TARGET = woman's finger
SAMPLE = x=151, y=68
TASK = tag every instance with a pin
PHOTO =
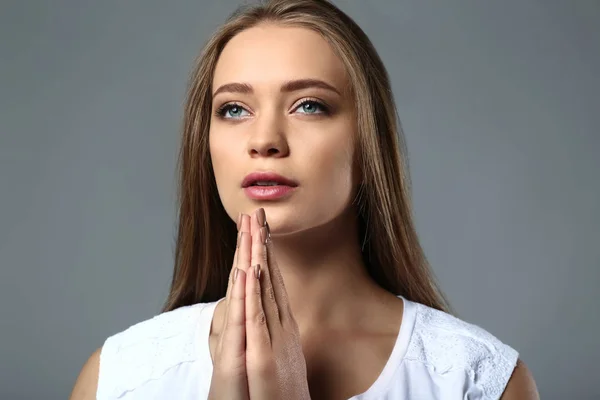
x=244, y=251
x=275, y=281
x=243, y=225
x=233, y=265
x=259, y=256
x=257, y=321
x=233, y=352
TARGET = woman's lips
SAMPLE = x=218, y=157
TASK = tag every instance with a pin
x=268, y=192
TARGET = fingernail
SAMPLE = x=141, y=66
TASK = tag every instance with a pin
x=261, y=217
x=268, y=229
x=235, y=274
x=239, y=221
x=264, y=235
x=257, y=271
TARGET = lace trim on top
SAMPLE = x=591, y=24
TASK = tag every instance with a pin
x=445, y=343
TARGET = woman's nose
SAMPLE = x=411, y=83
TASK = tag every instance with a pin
x=269, y=140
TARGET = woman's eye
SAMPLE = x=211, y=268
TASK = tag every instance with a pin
x=311, y=107
x=232, y=111
x=235, y=111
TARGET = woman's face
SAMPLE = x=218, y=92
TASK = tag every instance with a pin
x=281, y=105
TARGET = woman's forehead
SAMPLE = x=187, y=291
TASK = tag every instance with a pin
x=271, y=54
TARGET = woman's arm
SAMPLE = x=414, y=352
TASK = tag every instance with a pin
x=87, y=381
x=521, y=385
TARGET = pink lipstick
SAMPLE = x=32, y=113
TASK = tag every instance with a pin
x=268, y=186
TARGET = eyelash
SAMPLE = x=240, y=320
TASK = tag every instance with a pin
x=221, y=111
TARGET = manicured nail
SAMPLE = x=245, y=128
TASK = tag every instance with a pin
x=261, y=217
x=239, y=221
x=268, y=232
x=257, y=271
x=235, y=274
x=264, y=235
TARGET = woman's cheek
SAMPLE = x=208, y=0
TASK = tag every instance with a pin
x=336, y=177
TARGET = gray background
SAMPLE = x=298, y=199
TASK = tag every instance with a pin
x=500, y=104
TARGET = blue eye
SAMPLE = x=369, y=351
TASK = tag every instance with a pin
x=231, y=111
x=312, y=107
x=236, y=111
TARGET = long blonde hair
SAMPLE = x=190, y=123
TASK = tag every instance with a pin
x=206, y=235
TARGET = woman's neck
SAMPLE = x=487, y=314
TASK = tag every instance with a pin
x=327, y=282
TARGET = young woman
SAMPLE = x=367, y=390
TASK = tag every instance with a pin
x=298, y=273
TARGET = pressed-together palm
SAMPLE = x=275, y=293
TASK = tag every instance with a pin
x=259, y=355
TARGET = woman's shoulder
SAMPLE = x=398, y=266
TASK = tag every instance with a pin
x=147, y=349
x=448, y=345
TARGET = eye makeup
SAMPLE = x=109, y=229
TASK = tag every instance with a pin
x=235, y=110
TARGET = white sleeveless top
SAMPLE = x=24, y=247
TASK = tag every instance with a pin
x=436, y=356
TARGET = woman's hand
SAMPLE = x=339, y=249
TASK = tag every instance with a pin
x=275, y=364
x=229, y=379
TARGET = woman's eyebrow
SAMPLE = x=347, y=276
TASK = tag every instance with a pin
x=289, y=86
x=299, y=84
